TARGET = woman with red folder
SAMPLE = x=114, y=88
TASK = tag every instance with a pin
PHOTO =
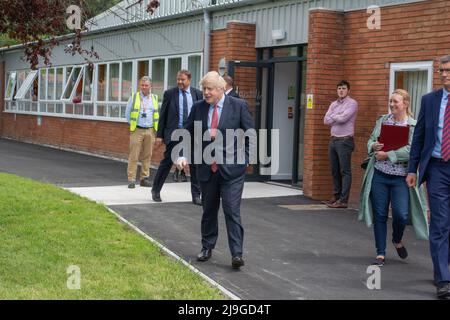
x=384, y=184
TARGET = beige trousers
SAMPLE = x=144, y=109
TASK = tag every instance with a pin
x=141, y=143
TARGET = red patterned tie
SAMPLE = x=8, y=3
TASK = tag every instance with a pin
x=445, y=147
x=214, y=123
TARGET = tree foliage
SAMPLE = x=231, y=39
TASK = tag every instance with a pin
x=37, y=24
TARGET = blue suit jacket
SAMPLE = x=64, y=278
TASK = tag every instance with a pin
x=235, y=115
x=425, y=134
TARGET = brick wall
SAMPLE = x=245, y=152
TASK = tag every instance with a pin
x=412, y=32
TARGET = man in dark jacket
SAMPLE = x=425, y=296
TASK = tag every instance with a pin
x=176, y=106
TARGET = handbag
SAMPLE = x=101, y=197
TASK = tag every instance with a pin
x=365, y=163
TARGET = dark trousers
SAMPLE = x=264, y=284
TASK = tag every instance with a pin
x=387, y=189
x=164, y=169
x=438, y=186
x=340, y=155
x=230, y=191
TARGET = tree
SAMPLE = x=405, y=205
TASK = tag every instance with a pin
x=37, y=23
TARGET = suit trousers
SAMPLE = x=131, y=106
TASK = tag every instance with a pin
x=141, y=143
x=438, y=186
x=230, y=191
x=340, y=155
x=164, y=170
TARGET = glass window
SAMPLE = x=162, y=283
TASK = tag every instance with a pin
x=142, y=70
x=127, y=76
x=101, y=83
x=59, y=82
x=174, y=67
x=88, y=109
x=194, y=66
x=87, y=83
x=158, y=67
x=42, y=84
x=414, y=77
x=114, y=111
x=113, y=82
x=51, y=84
x=102, y=110
x=26, y=85
x=72, y=82
x=11, y=85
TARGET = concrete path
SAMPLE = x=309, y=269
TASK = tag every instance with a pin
x=295, y=248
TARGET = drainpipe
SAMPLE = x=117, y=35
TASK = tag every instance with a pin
x=207, y=42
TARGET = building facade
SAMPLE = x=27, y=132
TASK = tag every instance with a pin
x=286, y=58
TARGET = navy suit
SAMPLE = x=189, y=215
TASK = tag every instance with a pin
x=437, y=175
x=228, y=182
x=168, y=123
x=233, y=93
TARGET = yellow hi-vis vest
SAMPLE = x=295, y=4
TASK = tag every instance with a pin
x=134, y=115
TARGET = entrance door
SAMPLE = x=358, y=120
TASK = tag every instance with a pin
x=284, y=102
x=253, y=82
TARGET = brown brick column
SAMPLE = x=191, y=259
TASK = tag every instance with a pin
x=325, y=68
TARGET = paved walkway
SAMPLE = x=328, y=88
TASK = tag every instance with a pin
x=294, y=248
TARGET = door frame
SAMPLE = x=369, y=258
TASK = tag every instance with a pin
x=270, y=64
x=269, y=123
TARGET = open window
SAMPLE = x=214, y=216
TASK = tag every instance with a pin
x=26, y=85
x=73, y=90
x=11, y=85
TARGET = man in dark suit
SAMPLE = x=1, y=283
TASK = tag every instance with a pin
x=220, y=179
x=176, y=106
x=229, y=88
x=430, y=152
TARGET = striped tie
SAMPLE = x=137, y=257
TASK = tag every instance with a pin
x=445, y=147
x=214, y=124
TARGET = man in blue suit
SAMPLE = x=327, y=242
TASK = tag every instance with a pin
x=430, y=152
x=220, y=179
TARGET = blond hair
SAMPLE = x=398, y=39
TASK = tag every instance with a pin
x=406, y=100
x=213, y=79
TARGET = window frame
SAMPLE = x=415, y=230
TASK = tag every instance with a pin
x=11, y=98
x=25, y=86
x=410, y=66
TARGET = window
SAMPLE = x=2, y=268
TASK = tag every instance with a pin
x=101, y=82
x=51, y=84
x=72, y=84
x=174, y=67
x=158, y=67
x=59, y=82
x=114, y=82
x=194, y=66
x=26, y=85
x=11, y=85
x=127, y=78
x=88, y=83
x=142, y=70
x=414, y=77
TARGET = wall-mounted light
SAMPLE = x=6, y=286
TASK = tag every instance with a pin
x=222, y=66
x=278, y=34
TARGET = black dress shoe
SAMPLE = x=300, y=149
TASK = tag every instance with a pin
x=443, y=291
x=197, y=201
x=131, y=185
x=237, y=262
x=183, y=176
x=204, y=255
x=156, y=197
x=175, y=175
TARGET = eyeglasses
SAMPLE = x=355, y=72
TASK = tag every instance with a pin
x=441, y=71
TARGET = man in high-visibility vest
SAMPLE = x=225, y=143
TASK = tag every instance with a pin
x=142, y=114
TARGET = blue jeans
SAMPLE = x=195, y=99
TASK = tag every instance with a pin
x=387, y=189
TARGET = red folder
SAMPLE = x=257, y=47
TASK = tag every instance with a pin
x=393, y=137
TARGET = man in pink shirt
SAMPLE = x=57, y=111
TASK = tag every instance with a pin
x=341, y=116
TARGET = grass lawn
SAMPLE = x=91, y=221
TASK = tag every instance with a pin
x=44, y=230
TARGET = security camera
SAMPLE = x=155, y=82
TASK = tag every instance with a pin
x=69, y=46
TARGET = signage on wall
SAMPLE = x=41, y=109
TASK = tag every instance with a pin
x=310, y=101
x=291, y=93
x=290, y=112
